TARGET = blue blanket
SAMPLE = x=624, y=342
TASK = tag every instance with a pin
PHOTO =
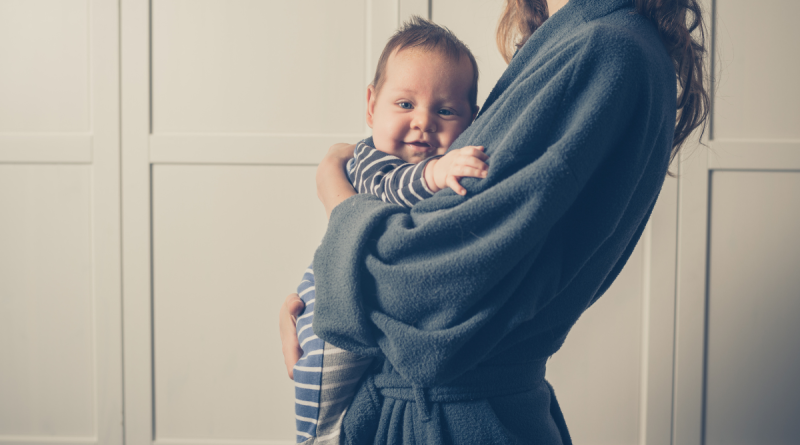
x=464, y=298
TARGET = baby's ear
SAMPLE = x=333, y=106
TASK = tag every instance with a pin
x=371, y=96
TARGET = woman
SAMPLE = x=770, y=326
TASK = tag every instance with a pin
x=464, y=298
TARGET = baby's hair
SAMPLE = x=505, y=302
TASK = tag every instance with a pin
x=427, y=36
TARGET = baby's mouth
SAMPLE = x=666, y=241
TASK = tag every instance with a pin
x=420, y=144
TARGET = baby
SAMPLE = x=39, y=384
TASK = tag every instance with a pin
x=423, y=96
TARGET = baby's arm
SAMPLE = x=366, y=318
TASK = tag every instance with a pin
x=398, y=182
x=388, y=177
x=463, y=162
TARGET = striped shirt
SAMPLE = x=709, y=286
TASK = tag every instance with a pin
x=388, y=177
x=322, y=393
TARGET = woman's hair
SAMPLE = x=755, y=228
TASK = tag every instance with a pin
x=520, y=18
x=427, y=36
x=682, y=31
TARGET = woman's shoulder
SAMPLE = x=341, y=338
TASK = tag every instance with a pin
x=624, y=36
x=619, y=48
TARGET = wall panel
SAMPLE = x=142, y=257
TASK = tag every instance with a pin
x=757, y=72
x=46, y=309
x=256, y=67
x=60, y=320
x=45, y=68
x=226, y=239
x=754, y=298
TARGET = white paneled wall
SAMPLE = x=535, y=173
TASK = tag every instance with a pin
x=221, y=263
x=752, y=362
x=157, y=204
x=757, y=70
x=257, y=67
x=60, y=260
x=45, y=79
x=46, y=312
x=736, y=353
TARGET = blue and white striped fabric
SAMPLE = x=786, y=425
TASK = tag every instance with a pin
x=308, y=370
x=320, y=407
x=388, y=177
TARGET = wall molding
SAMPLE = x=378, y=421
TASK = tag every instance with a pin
x=46, y=148
x=754, y=154
x=244, y=148
x=47, y=440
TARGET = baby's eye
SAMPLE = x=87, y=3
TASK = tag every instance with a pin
x=405, y=105
x=445, y=112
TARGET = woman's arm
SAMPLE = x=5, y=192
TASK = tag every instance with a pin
x=332, y=184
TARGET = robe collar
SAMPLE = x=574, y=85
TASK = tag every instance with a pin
x=556, y=27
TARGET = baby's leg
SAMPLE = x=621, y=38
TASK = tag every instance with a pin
x=341, y=372
x=325, y=377
x=307, y=370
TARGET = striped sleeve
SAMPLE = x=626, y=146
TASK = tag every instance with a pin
x=388, y=177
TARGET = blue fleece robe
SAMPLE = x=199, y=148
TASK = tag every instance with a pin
x=463, y=299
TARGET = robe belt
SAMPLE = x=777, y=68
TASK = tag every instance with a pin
x=483, y=382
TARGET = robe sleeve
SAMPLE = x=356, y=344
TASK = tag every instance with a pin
x=435, y=288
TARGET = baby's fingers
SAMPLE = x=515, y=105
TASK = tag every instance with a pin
x=452, y=182
x=474, y=152
x=471, y=165
x=469, y=171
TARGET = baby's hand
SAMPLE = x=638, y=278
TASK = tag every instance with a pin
x=456, y=164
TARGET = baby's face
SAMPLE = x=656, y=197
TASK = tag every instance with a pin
x=422, y=105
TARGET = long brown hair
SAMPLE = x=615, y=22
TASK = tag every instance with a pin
x=680, y=25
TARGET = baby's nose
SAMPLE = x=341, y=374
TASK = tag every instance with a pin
x=424, y=122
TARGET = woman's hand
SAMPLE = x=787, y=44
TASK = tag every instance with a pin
x=287, y=321
x=341, y=152
x=332, y=184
